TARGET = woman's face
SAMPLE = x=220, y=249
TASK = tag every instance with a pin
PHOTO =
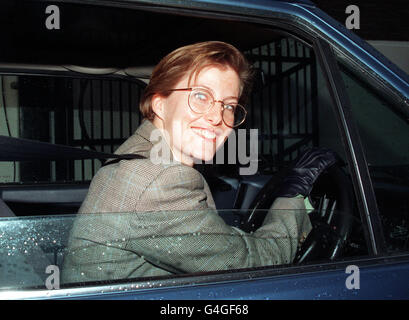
x=192, y=135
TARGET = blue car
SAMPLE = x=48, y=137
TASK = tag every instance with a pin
x=72, y=74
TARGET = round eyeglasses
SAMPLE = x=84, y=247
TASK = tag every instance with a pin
x=201, y=100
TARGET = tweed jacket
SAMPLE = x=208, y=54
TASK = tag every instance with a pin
x=151, y=217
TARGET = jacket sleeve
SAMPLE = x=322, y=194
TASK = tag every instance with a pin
x=182, y=231
x=142, y=228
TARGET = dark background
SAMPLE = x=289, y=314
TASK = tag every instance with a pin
x=379, y=19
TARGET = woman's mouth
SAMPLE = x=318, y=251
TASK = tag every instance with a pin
x=205, y=133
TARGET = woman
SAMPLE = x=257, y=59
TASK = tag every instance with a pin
x=163, y=219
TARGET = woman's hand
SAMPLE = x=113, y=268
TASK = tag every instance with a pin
x=305, y=171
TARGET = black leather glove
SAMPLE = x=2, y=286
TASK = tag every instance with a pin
x=305, y=171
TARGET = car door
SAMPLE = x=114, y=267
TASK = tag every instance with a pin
x=306, y=96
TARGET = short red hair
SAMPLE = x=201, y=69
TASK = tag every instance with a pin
x=191, y=59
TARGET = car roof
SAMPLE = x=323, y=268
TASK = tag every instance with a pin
x=126, y=37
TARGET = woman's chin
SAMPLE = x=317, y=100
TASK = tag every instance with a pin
x=203, y=156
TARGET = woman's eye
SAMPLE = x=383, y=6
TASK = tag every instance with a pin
x=229, y=107
x=201, y=96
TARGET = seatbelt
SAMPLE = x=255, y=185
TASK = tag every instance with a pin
x=19, y=149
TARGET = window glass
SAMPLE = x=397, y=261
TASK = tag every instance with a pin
x=384, y=131
x=39, y=253
x=30, y=245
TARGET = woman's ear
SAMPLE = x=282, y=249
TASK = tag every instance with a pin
x=158, y=104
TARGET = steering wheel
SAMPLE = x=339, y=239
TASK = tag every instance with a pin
x=332, y=218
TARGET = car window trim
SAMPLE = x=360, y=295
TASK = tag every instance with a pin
x=390, y=93
x=362, y=183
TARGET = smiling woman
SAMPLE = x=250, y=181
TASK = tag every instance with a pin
x=163, y=217
x=195, y=126
x=195, y=135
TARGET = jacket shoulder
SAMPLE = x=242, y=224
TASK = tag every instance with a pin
x=118, y=187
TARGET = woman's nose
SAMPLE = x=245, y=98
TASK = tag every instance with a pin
x=214, y=115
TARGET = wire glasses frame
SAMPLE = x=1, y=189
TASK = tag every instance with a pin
x=201, y=100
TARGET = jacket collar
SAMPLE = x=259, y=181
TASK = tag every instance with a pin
x=159, y=148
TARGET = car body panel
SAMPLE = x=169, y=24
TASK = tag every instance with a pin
x=382, y=282
x=378, y=278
